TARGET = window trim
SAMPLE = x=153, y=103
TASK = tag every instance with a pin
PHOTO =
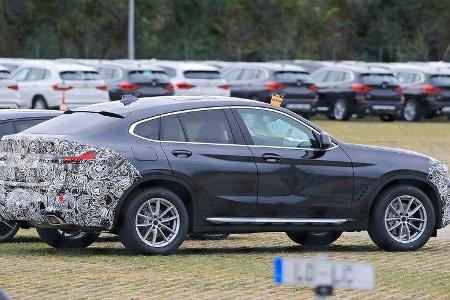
x=133, y=126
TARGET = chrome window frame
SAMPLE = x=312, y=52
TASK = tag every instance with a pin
x=133, y=126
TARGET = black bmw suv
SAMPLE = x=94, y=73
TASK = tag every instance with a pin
x=155, y=171
x=345, y=90
x=258, y=81
x=426, y=90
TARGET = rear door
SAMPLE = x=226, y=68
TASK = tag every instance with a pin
x=83, y=87
x=207, y=150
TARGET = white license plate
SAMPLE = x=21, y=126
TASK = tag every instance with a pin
x=445, y=109
x=318, y=272
x=299, y=106
x=383, y=107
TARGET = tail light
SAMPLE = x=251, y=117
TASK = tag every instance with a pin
x=61, y=87
x=102, y=87
x=429, y=89
x=361, y=88
x=80, y=158
x=129, y=86
x=275, y=86
x=13, y=87
x=224, y=86
x=313, y=88
x=169, y=87
x=184, y=85
x=398, y=90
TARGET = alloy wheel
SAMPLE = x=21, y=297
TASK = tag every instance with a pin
x=410, y=111
x=157, y=222
x=339, y=110
x=405, y=219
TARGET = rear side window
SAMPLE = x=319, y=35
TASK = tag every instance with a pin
x=108, y=73
x=378, y=79
x=202, y=74
x=207, y=126
x=172, y=129
x=22, y=125
x=147, y=75
x=291, y=76
x=408, y=77
x=79, y=75
x=148, y=129
x=441, y=80
x=4, y=74
x=6, y=128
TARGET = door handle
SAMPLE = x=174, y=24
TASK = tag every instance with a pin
x=270, y=157
x=182, y=153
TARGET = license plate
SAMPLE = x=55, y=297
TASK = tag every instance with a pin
x=299, y=106
x=383, y=107
x=323, y=272
x=445, y=109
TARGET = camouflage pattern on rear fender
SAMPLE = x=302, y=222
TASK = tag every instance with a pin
x=36, y=181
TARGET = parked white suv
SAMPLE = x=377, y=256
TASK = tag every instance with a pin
x=194, y=79
x=57, y=85
x=9, y=90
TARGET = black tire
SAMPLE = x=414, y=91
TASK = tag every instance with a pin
x=39, y=103
x=341, y=110
x=378, y=230
x=65, y=239
x=413, y=111
x=448, y=118
x=209, y=236
x=131, y=236
x=310, y=239
x=8, y=230
x=387, y=118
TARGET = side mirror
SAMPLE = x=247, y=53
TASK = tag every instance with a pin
x=325, y=140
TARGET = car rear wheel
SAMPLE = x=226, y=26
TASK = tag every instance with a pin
x=314, y=239
x=155, y=222
x=402, y=219
x=341, y=110
x=412, y=110
x=39, y=103
x=8, y=230
x=387, y=118
x=209, y=236
x=67, y=239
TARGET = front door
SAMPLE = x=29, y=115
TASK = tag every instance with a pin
x=295, y=178
x=204, y=149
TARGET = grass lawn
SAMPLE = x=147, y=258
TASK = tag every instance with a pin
x=241, y=266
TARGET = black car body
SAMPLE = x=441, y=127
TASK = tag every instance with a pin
x=426, y=90
x=345, y=90
x=135, y=79
x=154, y=171
x=13, y=121
x=258, y=81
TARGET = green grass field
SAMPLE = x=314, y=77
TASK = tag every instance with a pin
x=241, y=266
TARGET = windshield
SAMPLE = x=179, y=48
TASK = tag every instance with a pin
x=291, y=76
x=79, y=75
x=378, y=79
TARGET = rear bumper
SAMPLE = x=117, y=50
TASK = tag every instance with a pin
x=440, y=108
x=4, y=104
x=300, y=105
x=379, y=108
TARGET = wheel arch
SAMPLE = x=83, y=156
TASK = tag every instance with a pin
x=427, y=187
x=37, y=96
x=177, y=185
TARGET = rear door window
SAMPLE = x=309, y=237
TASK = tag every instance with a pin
x=172, y=130
x=22, y=125
x=378, y=79
x=291, y=76
x=334, y=76
x=147, y=75
x=109, y=73
x=440, y=80
x=202, y=74
x=36, y=74
x=148, y=129
x=6, y=128
x=4, y=74
x=233, y=74
x=408, y=77
x=319, y=76
x=79, y=75
x=207, y=126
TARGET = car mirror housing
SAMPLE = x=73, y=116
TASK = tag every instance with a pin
x=325, y=140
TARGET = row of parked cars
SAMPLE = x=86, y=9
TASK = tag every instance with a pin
x=340, y=90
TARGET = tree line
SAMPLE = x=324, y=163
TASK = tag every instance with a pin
x=244, y=30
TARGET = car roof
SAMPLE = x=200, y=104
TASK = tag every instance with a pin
x=11, y=114
x=185, y=66
x=60, y=67
x=358, y=68
x=268, y=65
x=421, y=68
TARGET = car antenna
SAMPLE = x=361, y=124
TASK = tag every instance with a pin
x=128, y=99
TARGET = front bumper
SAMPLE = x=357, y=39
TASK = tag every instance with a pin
x=439, y=176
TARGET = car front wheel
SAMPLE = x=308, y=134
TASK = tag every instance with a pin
x=402, y=219
x=341, y=110
x=312, y=239
x=155, y=222
x=8, y=230
x=67, y=239
x=412, y=111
